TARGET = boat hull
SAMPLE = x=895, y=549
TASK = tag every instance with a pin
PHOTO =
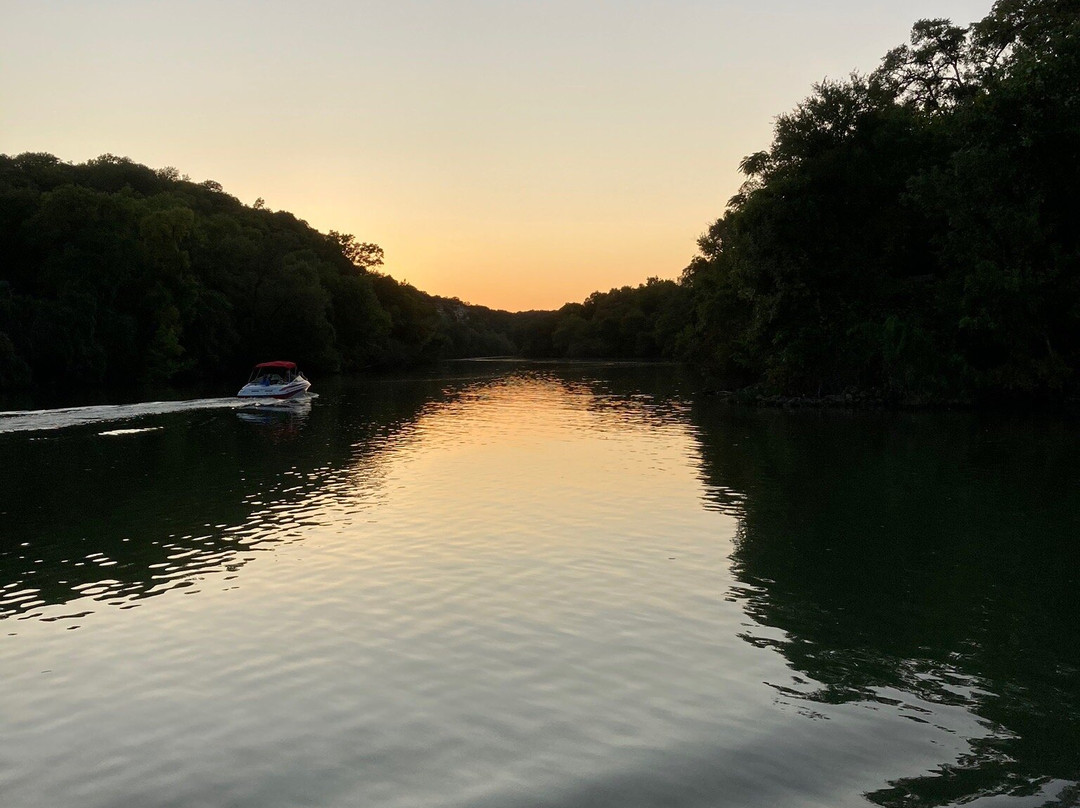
x=276, y=391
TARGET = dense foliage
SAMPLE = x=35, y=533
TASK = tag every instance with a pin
x=115, y=273
x=643, y=322
x=913, y=232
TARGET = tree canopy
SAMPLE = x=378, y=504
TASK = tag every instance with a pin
x=116, y=273
x=912, y=232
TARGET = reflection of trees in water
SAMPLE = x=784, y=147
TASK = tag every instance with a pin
x=125, y=517
x=933, y=554
x=654, y=393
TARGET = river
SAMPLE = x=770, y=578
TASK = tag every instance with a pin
x=529, y=584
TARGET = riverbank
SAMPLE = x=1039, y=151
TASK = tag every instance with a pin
x=863, y=400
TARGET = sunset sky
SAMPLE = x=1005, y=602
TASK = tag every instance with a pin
x=517, y=154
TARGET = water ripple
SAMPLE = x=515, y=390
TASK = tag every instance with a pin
x=535, y=586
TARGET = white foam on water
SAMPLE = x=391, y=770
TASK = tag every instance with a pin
x=42, y=420
x=113, y=432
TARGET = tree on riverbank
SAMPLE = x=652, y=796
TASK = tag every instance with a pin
x=116, y=273
x=912, y=232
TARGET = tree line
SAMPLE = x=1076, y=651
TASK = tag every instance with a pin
x=114, y=273
x=912, y=234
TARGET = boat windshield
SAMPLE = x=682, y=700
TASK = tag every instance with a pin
x=272, y=375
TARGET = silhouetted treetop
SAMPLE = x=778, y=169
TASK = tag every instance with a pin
x=911, y=232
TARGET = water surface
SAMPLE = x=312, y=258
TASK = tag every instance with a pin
x=536, y=585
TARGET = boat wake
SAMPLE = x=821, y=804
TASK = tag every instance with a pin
x=46, y=420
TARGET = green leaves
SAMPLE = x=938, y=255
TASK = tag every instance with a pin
x=116, y=273
x=912, y=232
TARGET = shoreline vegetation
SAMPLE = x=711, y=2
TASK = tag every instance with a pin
x=909, y=238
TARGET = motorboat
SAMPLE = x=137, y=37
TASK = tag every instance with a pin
x=278, y=380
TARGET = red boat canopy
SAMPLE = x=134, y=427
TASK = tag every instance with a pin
x=286, y=365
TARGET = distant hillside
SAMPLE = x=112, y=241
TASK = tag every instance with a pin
x=115, y=273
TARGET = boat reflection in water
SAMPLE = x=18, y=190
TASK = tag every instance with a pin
x=293, y=411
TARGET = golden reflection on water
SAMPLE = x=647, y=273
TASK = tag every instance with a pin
x=529, y=449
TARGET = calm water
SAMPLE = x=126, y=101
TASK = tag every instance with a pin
x=533, y=585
